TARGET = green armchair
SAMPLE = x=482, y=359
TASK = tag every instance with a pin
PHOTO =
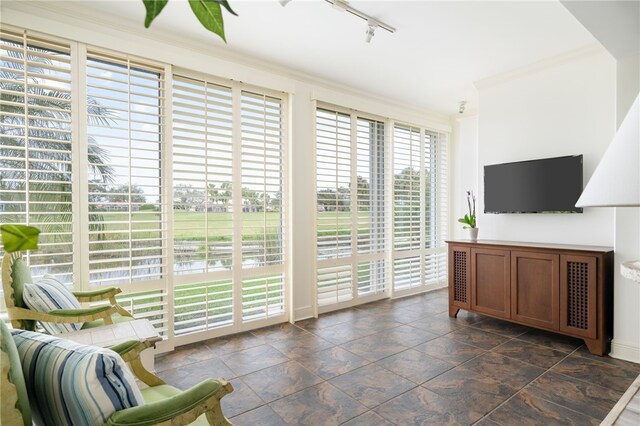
x=163, y=404
x=15, y=273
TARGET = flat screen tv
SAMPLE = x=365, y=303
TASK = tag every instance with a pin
x=550, y=185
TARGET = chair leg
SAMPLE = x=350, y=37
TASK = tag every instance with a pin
x=215, y=416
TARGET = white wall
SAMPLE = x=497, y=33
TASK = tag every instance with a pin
x=562, y=106
x=303, y=90
x=626, y=295
x=465, y=169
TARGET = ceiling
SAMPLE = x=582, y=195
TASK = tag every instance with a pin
x=439, y=50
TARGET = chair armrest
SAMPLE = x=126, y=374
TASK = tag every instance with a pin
x=130, y=349
x=200, y=399
x=64, y=315
x=97, y=295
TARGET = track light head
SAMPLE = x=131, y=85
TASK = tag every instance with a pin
x=371, y=30
x=283, y=3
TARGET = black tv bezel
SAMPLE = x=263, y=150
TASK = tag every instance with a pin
x=575, y=210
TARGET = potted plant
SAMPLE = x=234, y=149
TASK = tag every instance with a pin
x=469, y=220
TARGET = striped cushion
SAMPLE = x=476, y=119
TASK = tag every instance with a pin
x=50, y=294
x=73, y=384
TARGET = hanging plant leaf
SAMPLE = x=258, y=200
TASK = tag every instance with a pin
x=154, y=7
x=209, y=14
x=19, y=237
x=226, y=5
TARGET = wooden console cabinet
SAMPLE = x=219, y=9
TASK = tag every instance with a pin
x=565, y=289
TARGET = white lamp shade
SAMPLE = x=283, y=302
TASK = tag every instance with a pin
x=616, y=180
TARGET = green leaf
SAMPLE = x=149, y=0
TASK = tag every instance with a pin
x=226, y=5
x=462, y=220
x=19, y=237
x=209, y=14
x=154, y=7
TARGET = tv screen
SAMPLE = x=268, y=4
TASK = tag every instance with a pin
x=536, y=186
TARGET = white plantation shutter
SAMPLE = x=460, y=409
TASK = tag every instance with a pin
x=350, y=206
x=262, y=221
x=35, y=146
x=262, y=180
x=127, y=227
x=202, y=176
x=420, y=207
x=333, y=181
x=213, y=166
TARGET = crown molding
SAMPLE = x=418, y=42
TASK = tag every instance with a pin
x=551, y=62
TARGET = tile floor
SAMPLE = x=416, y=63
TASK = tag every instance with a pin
x=405, y=363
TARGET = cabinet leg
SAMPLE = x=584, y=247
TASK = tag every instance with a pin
x=596, y=346
x=453, y=311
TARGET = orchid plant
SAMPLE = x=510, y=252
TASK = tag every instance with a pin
x=470, y=218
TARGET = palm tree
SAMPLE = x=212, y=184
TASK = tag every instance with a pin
x=41, y=138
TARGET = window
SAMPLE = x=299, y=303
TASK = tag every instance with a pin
x=173, y=192
x=350, y=223
x=36, y=160
x=125, y=218
x=228, y=179
x=419, y=207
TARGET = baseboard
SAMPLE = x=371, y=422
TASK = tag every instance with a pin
x=625, y=352
x=303, y=313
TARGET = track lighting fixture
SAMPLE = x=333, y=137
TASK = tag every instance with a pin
x=371, y=30
x=343, y=6
x=462, y=106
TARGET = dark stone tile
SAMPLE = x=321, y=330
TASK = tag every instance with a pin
x=464, y=317
x=280, y=380
x=374, y=324
x=525, y=409
x=407, y=336
x=280, y=332
x=233, y=343
x=541, y=356
x=503, y=328
x=332, y=362
x=420, y=406
x=589, y=399
x=470, y=389
x=486, y=421
x=584, y=352
x=404, y=302
x=183, y=355
x=450, y=350
x=437, y=325
x=301, y=346
x=506, y=370
x=341, y=333
x=551, y=340
x=600, y=373
x=242, y=399
x=372, y=385
x=477, y=338
x=192, y=374
x=404, y=316
x=369, y=418
x=322, y=404
x=415, y=365
x=428, y=308
x=263, y=416
x=327, y=320
x=374, y=347
x=253, y=359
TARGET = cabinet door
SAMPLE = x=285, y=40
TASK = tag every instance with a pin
x=490, y=277
x=535, y=289
x=459, y=277
x=578, y=293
